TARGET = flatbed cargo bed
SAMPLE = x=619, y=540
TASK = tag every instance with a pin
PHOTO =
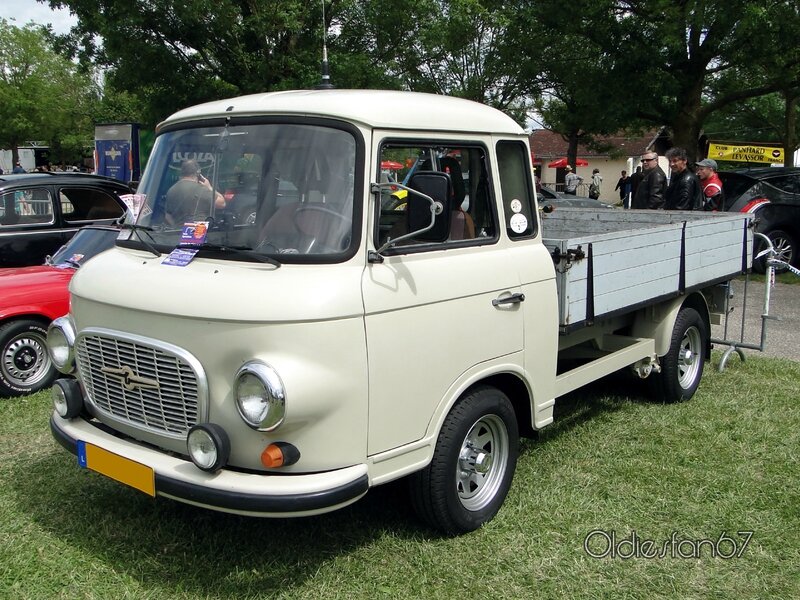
x=611, y=261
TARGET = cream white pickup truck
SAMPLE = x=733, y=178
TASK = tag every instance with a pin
x=324, y=291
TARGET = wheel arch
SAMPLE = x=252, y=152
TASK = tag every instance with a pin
x=510, y=382
x=658, y=321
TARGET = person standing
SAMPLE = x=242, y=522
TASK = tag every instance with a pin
x=18, y=168
x=594, y=187
x=622, y=186
x=713, y=196
x=635, y=179
x=684, y=191
x=571, y=182
x=650, y=193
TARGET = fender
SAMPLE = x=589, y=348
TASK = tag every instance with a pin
x=658, y=321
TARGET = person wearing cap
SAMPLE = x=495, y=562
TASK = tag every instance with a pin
x=650, y=193
x=713, y=196
x=190, y=198
x=571, y=182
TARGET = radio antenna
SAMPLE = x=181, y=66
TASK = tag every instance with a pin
x=326, y=77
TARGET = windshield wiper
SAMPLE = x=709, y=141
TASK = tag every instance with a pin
x=241, y=251
x=137, y=229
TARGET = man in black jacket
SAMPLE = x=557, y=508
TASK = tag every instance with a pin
x=650, y=193
x=684, y=191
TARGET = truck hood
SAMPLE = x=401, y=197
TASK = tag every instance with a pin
x=212, y=289
x=34, y=287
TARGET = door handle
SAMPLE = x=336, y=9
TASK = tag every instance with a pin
x=512, y=299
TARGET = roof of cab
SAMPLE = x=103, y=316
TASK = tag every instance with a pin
x=373, y=108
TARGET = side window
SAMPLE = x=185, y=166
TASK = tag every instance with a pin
x=31, y=206
x=787, y=183
x=514, y=165
x=88, y=204
x=470, y=220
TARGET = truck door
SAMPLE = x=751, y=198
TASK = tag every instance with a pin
x=435, y=309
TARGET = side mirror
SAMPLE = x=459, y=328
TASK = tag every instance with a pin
x=428, y=206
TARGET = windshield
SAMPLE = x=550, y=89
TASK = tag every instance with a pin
x=85, y=244
x=280, y=190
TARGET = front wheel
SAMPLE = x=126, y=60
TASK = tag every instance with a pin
x=473, y=464
x=25, y=366
x=682, y=366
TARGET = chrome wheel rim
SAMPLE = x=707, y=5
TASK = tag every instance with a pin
x=782, y=248
x=25, y=361
x=689, y=357
x=482, y=462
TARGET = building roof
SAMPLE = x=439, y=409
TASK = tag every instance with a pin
x=547, y=145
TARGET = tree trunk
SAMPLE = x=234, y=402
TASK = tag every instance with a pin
x=790, y=142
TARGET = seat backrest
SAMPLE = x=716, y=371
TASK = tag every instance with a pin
x=462, y=227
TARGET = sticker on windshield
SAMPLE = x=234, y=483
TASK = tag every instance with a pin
x=518, y=223
x=194, y=233
x=179, y=257
x=516, y=206
x=134, y=202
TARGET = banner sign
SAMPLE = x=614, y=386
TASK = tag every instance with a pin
x=116, y=148
x=746, y=153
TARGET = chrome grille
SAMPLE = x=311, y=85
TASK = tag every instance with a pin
x=139, y=383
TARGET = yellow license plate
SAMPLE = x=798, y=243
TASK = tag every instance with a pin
x=118, y=468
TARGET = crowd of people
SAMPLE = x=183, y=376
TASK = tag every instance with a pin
x=648, y=187
x=700, y=189
x=46, y=168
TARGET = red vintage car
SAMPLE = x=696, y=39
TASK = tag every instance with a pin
x=31, y=297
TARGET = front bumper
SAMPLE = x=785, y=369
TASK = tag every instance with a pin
x=263, y=495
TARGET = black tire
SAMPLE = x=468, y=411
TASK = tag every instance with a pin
x=785, y=246
x=473, y=464
x=682, y=366
x=25, y=366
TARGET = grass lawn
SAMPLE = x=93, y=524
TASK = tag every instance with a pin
x=670, y=479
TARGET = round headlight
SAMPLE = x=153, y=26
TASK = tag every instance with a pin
x=60, y=344
x=209, y=446
x=260, y=396
x=67, y=398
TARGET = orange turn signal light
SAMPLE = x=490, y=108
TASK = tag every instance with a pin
x=272, y=457
x=279, y=454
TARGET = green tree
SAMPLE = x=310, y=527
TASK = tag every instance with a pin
x=659, y=62
x=691, y=58
x=43, y=97
x=457, y=47
x=173, y=54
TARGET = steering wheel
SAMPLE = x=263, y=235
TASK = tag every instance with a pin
x=309, y=229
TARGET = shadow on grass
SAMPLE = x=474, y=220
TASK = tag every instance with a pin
x=596, y=401
x=179, y=548
x=172, y=546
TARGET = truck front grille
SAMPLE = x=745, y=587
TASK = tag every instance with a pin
x=150, y=385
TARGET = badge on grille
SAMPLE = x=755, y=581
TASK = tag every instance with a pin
x=129, y=379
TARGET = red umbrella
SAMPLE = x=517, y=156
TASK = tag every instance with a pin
x=390, y=165
x=562, y=162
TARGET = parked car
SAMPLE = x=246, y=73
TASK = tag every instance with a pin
x=39, y=212
x=772, y=194
x=31, y=297
x=557, y=199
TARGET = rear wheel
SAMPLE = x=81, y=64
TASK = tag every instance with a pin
x=473, y=464
x=25, y=366
x=682, y=365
